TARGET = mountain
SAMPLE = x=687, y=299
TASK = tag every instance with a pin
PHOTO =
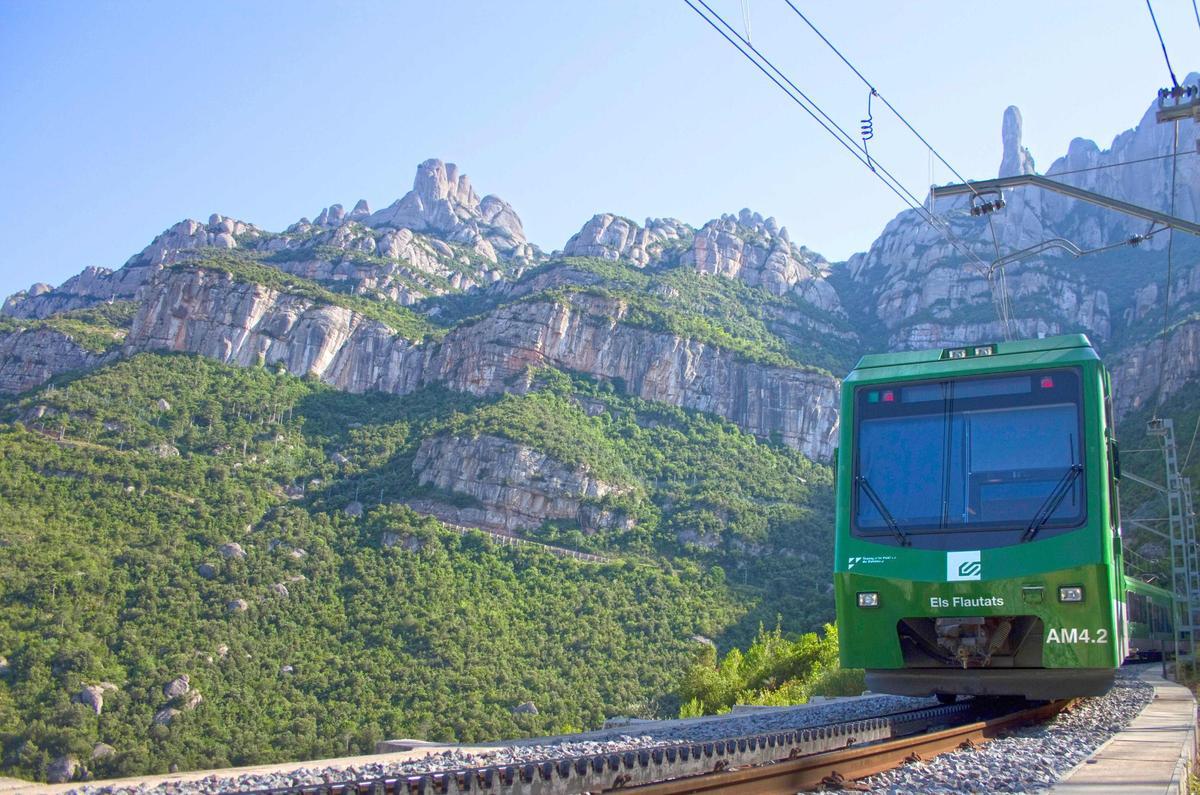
x=396, y=472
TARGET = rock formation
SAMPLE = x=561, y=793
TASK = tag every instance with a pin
x=515, y=487
x=30, y=357
x=443, y=201
x=612, y=237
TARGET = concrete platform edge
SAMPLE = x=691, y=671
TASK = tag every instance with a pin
x=1184, y=765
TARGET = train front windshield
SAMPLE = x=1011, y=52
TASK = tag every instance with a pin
x=997, y=453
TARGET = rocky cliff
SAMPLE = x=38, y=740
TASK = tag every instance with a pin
x=30, y=357
x=513, y=487
x=196, y=310
x=1152, y=371
x=209, y=312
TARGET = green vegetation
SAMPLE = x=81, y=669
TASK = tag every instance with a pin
x=774, y=671
x=246, y=268
x=112, y=501
x=99, y=329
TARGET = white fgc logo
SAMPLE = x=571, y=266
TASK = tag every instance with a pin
x=963, y=566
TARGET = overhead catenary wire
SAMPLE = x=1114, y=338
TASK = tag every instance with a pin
x=1162, y=44
x=749, y=52
x=1002, y=298
x=875, y=91
x=1175, y=155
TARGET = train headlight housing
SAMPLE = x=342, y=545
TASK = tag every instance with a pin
x=868, y=599
x=1070, y=593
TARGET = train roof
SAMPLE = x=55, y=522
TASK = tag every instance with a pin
x=1153, y=591
x=1060, y=349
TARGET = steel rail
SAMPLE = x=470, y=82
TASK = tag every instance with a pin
x=847, y=764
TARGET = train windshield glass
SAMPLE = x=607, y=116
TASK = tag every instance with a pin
x=999, y=452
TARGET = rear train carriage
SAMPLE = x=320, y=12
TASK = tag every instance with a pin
x=1149, y=614
x=978, y=548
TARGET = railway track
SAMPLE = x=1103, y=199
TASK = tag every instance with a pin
x=768, y=763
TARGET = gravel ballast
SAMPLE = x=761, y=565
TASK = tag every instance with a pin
x=1030, y=760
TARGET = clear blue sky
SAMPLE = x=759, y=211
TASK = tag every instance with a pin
x=119, y=119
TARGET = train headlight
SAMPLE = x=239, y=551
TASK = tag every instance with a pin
x=1070, y=593
x=868, y=599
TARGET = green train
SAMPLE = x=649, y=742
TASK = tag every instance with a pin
x=978, y=543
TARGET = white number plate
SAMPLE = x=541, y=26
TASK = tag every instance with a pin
x=1075, y=635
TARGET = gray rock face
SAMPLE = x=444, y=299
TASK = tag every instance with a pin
x=759, y=253
x=612, y=237
x=1140, y=377
x=31, y=357
x=518, y=488
x=207, y=312
x=177, y=686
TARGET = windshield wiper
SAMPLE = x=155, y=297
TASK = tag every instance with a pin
x=1052, y=501
x=883, y=511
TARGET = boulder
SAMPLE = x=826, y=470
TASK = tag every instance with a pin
x=191, y=700
x=222, y=650
x=280, y=590
x=287, y=670
x=232, y=550
x=237, y=606
x=177, y=686
x=62, y=770
x=102, y=751
x=354, y=509
x=4, y=666
x=163, y=404
x=206, y=570
x=525, y=708
x=297, y=553
x=92, y=697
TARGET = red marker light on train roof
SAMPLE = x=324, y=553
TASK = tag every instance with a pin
x=889, y=396
x=1047, y=382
